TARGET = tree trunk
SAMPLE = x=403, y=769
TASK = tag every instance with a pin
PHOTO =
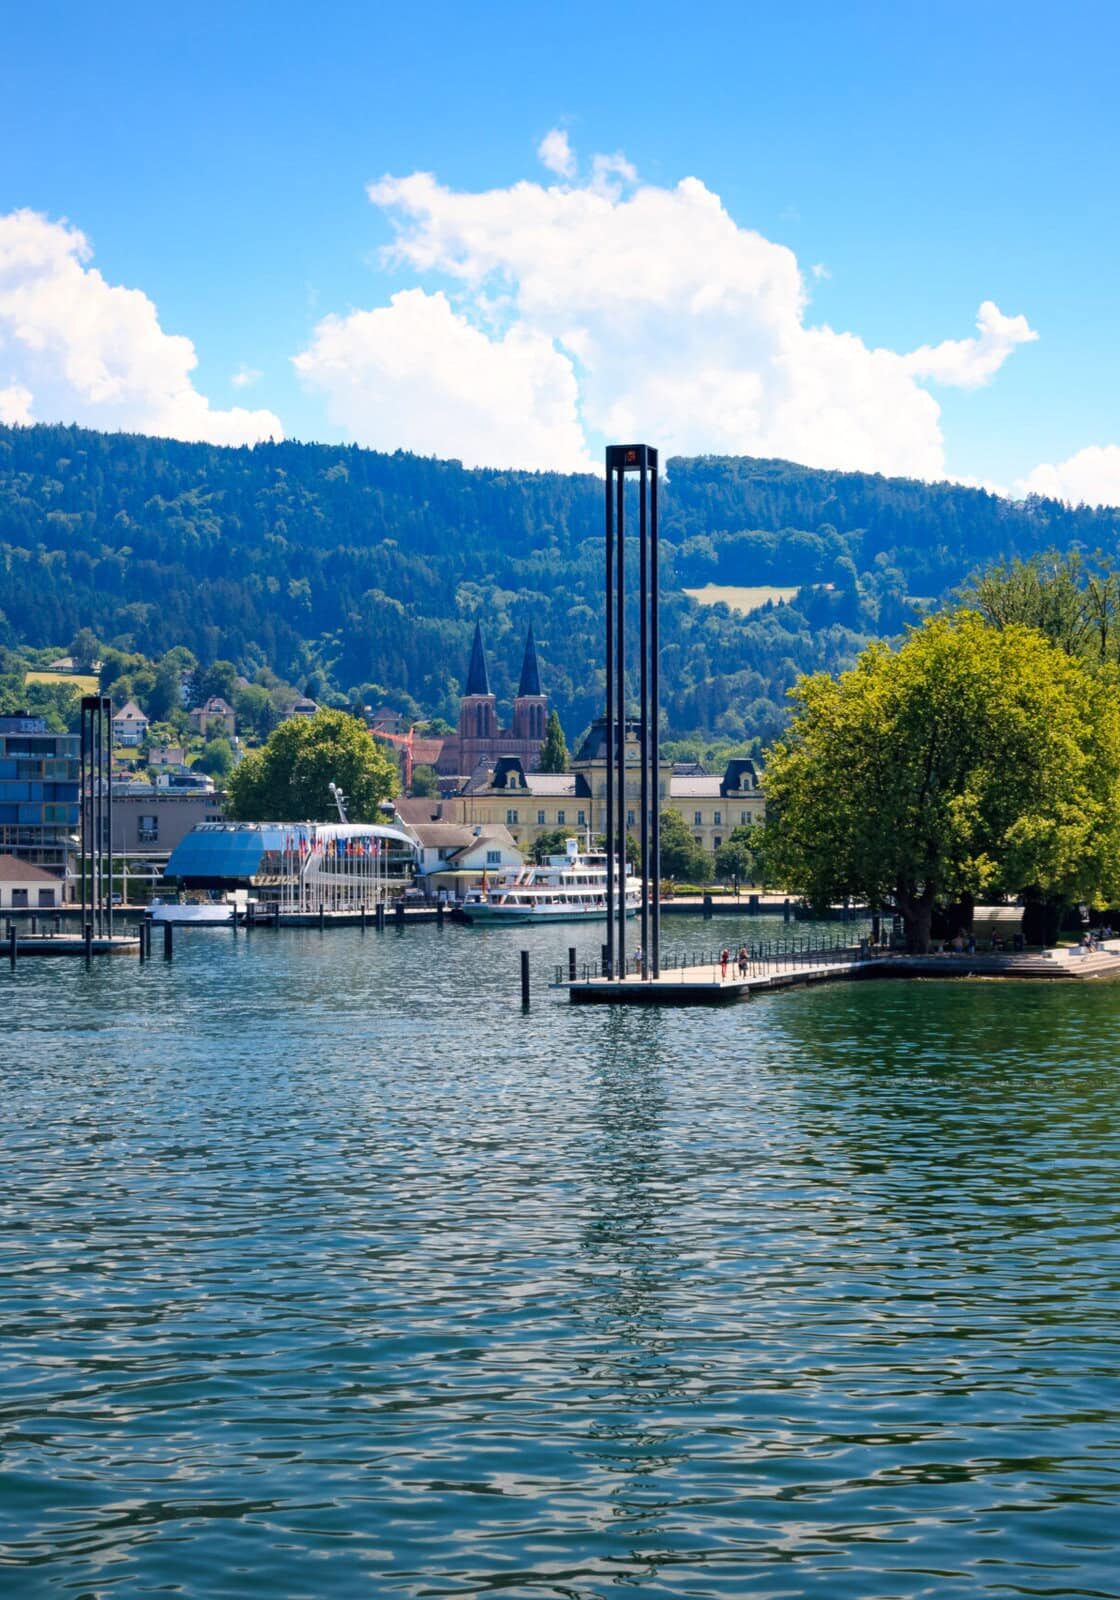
x=916, y=912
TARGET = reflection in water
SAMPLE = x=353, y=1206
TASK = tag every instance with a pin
x=323, y=1270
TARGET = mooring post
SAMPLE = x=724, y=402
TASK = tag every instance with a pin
x=34, y=925
x=571, y=963
x=785, y=911
x=12, y=945
x=524, y=979
x=605, y=959
x=439, y=913
x=707, y=908
x=88, y=935
x=168, y=929
x=398, y=912
x=146, y=935
x=381, y=916
x=363, y=916
x=141, y=953
x=58, y=922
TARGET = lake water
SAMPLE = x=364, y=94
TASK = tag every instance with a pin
x=325, y=1272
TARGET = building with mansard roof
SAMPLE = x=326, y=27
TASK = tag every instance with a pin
x=481, y=742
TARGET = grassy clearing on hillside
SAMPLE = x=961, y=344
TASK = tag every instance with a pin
x=744, y=599
x=82, y=682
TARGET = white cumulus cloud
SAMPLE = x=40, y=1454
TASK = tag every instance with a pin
x=245, y=377
x=572, y=313
x=415, y=375
x=1090, y=476
x=968, y=363
x=74, y=348
x=555, y=153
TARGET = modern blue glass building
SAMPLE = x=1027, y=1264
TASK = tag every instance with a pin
x=298, y=864
x=38, y=793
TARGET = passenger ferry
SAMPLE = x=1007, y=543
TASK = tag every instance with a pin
x=567, y=888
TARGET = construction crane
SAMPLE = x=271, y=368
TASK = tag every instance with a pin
x=405, y=740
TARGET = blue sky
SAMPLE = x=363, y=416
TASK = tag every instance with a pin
x=925, y=159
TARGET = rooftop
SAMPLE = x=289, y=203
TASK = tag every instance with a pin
x=12, y=870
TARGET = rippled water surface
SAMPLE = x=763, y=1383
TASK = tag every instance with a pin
x=325, y=1272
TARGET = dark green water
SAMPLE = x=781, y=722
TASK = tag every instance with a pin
x=324, y=1272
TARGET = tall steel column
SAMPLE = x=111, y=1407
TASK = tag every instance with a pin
x=96, y=812
x=640, y=460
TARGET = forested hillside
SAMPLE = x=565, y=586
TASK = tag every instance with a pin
x=339, y=568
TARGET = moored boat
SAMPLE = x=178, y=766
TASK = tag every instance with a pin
x=195, y=913
x=567, y=888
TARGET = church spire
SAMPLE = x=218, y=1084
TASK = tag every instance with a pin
x=530, y=673
x=478, y=680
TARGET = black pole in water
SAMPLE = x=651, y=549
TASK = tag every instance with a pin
x=524, y=980
x=363, y=916
x=140, y=943
x=322, y=917
x=12, y=946
x=167, y=935
x=381, y=916
x=88, y=935
x=439, y=913
x=398, y=913
x=571, y=963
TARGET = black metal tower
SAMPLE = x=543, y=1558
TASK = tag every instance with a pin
x=641, y=460
x=96, y=799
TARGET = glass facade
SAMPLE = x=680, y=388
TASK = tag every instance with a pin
x=228, y=855
x=38, y=793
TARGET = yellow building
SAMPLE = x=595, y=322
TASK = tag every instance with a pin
x=532, y=803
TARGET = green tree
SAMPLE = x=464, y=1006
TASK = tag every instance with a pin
x=216, y=758
x=971, y=760
x=553, y=843
x=218, y=680
x=681, y=856
x=739, y=856
x=84, y=650
x=288, y=779
x=554, y=750
x=256, y=713
x=425, y=781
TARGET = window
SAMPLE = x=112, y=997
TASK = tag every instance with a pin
x=148, y=828
x=560, y=817
x=697, y=819
x=717, y=818
x=717, y=841
x=493, y=858
x=540, y=819
x=581, y=818
x=744, y=816
x=46, y=897
x=19, y=898
x=511, y=816
x=629, y=819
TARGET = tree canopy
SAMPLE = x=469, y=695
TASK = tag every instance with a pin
x=971, y=760
x=288, y=779
x=681, y=857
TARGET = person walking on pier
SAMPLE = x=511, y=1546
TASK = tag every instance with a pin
x=724, y=958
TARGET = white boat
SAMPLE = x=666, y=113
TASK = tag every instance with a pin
x=567, y=888
x=195, y=913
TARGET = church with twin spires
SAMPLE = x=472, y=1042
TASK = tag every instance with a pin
x=480, y=742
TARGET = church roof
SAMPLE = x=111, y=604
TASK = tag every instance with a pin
x=530, y=673
x=478, y=680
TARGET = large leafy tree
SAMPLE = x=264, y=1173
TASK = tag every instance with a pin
x=681, y=856
x=288, y=779
x=971, y=760
x=740, y=854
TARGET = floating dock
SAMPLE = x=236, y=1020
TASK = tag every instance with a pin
x=707, y=986
x=70, y=944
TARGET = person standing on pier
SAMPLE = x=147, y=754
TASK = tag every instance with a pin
x=724, y=958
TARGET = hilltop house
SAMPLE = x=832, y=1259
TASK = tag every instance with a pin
x=130, y=725
x=216, y=716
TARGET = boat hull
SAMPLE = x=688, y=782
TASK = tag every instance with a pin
x=194, y=916
x=507, y=916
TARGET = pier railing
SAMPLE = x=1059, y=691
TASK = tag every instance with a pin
x=763, y=958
